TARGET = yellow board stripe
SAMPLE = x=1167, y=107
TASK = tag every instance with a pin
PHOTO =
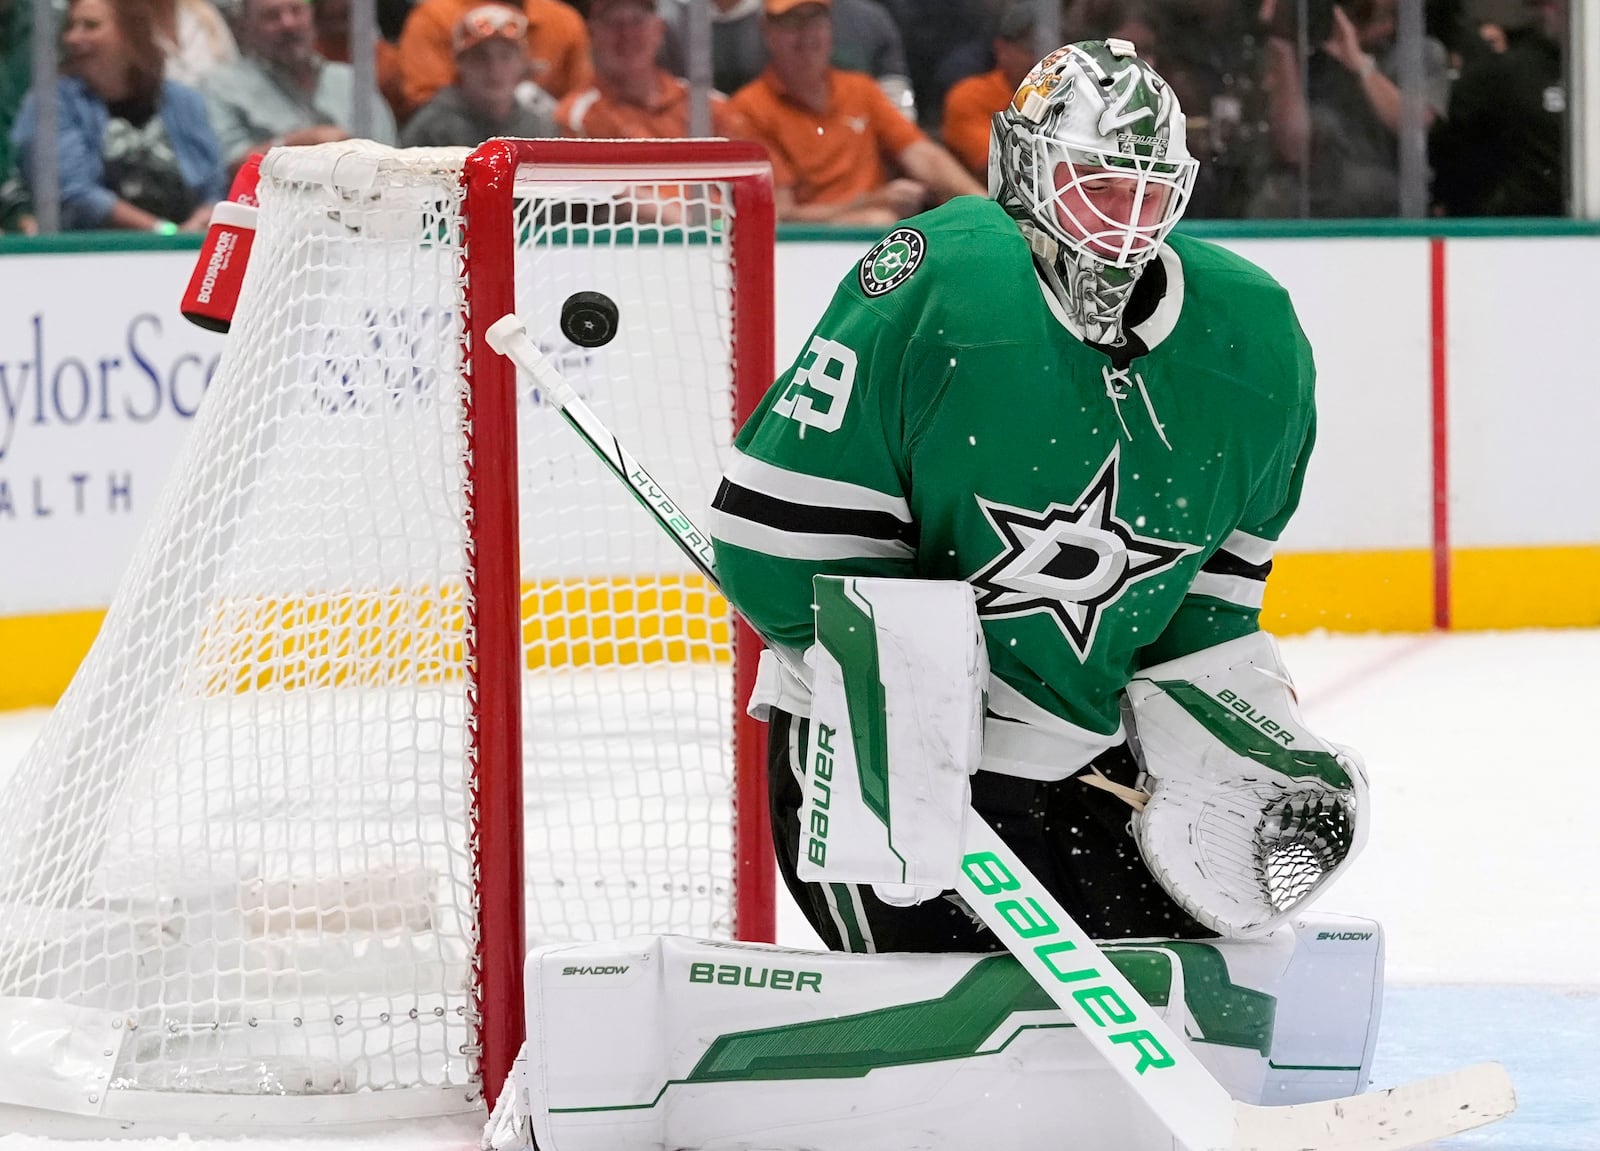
x=415, y=635
x=1493, y=588
x=411, y=636
x=1490, y=589
x=39, y=653
x=341, y=638
x=646, y=619
x=1349, y=591
x=398, y=636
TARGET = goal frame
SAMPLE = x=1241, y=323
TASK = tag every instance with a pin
x=493, y=643
x=62, y=1054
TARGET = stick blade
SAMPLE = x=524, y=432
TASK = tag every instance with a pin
x=1410, y=1115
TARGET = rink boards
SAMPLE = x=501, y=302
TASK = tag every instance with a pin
x=1449, y=457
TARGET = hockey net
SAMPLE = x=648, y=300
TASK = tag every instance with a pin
x=266, y=862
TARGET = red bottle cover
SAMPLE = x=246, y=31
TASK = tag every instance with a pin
x=213, y=289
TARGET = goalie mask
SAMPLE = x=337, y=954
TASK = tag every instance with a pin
x=1091, y=159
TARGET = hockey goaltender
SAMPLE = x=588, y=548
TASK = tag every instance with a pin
x=1037, y=776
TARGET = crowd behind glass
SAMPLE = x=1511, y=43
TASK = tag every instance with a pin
x=871, y=109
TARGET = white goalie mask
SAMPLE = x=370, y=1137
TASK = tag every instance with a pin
x=1091, y=158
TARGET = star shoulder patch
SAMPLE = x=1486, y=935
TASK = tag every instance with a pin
x=1069, y=562
x=891, y=261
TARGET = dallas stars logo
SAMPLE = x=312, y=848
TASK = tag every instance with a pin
x=1070, y=562
x=891, y=261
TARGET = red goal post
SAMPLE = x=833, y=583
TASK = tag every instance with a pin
x=490, y=178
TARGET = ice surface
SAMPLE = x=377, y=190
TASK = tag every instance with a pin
x=1482, y=866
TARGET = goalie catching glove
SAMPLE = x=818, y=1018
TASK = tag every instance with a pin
x=1250, y=816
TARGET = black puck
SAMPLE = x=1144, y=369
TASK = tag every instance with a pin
x=589, y=319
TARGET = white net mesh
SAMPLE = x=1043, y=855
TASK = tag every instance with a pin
x=241, y=842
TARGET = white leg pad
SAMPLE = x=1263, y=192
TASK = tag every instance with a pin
x=666, y=1043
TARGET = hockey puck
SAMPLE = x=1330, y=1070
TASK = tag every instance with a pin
x=589, y=319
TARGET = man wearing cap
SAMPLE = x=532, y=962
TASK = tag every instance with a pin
x=631, y=97
x=969, y=106
x=281, y=91
x=491, y=64
x=841, y=151
x=557, y=45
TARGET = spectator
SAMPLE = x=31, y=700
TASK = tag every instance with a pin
x=972, y=103
x=16, y=65
x=1339, y=125
x=834, y=135
x=945, y=41
x=331, y=18
x=632, y=97
x=1500, y=153
x=1211, y=53
x=558, y=47
x=491, y=63
x=134, y=150
x=281, y=92
x=195, y=38
x=865, y=39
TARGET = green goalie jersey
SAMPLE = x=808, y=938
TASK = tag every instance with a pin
x=943, y=422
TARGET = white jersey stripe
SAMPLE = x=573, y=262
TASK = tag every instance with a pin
x=802, y=545
x=867, y=941
x=811, y=491
x=1251, y=549
x=1234, y=589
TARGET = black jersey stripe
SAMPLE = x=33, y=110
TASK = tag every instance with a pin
x=801, y=519
x=1225, y=563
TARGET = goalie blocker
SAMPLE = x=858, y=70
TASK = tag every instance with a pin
x=665, y=1042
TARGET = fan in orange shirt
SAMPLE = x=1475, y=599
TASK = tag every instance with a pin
x=632, y=98
x=558, y=47
x=841, y=152
x=970, y=105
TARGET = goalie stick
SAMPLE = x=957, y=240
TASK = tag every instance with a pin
x=1123, y=1028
